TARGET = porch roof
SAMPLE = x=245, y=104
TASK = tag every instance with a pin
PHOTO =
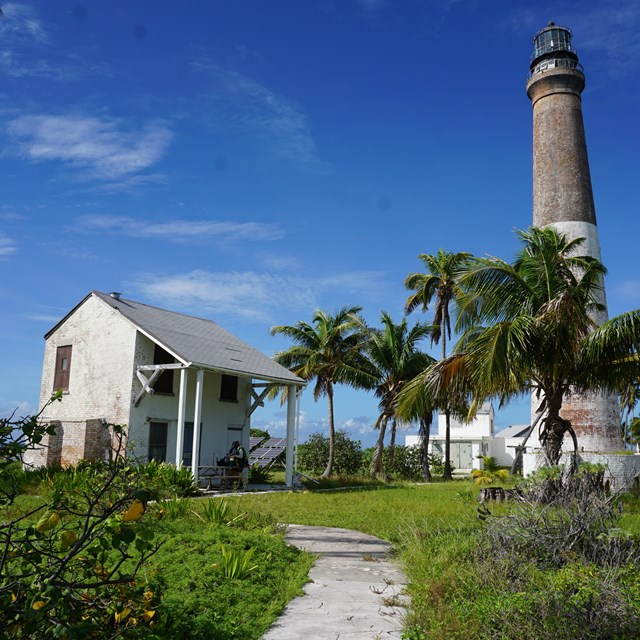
x=198, y=342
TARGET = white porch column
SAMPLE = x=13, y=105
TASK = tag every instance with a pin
x=291, y=433
x=181, y=414
x=197, y=418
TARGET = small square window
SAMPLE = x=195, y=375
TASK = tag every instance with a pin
x=229, y=388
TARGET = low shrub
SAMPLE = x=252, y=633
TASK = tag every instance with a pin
x=166, y=480
x=347, y=454
x=406, y=464
x=571, y=571
x=259, y=475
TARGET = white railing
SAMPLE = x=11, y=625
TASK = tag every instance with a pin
x=555, y=63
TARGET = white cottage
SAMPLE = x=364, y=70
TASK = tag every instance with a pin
x=468, y=440
x=185, y=386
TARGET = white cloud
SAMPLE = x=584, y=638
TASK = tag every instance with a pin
x=250, y=295
x=42, y=317
x=179, y=230
x=357, y=428
x=250, y=107
x=16, y=408
x=20, y=21
x=360, y=425
x=8, y=247
x=105, y=148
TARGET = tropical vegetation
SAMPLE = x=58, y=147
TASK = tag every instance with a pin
x=329, y=351
x=441, y=281
x=529, y=328
x=394, y=354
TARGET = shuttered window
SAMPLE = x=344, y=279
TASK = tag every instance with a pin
x=63, y=366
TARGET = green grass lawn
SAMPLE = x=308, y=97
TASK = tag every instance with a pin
x=434, y=529
x=385, y=512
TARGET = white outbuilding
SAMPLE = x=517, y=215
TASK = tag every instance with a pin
x=184, y=386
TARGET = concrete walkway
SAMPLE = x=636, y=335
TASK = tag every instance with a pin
x=355, y=591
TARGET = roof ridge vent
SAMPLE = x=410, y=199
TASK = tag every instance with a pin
x=115, y=295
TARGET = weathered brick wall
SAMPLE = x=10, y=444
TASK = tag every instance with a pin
x=97, y=440
x=563, y=198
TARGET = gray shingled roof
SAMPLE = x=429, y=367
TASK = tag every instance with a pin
x=200, y=342
x=513, y=431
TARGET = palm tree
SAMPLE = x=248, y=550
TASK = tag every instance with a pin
x=441, y=282
x=528, y=326
x=328, y=350
x=395, y=359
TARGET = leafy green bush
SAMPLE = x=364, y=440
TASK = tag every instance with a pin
x=70, y=563
x=166, y=480
x=313, y=454
x=259, y=475
x=572, y=572
x=407, y=462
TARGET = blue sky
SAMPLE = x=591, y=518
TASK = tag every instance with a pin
x=251, y=160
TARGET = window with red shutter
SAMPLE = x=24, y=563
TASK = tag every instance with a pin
x=63, y=366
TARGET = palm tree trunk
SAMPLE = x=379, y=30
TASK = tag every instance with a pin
x=377, y=463
x=425, y=428
x=332, y=434
x=447, y=417
x=447, y=475
x=392, y=444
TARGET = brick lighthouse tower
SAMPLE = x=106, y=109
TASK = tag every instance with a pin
x=563, y=197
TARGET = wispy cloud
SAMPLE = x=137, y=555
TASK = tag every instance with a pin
x=252, y=295
x=251, y=107
x=11, y=216
x=356, y=427
x=100, y=148
x=29, y=49
x=8, y=247
x=612, y=29
x=22, y=42
x=42, y=317
x=16, y=408
x=179, y=230
x=21, y=22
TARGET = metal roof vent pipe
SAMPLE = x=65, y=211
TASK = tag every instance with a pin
x=115, y=295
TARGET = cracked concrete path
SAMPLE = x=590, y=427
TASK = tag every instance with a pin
x=355, y=593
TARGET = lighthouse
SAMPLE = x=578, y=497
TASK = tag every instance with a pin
x=563, y=198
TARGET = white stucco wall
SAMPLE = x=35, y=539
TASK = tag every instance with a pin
x=480, y=426
x=99, y=383
x=101, y=365
x=106, y=349
x=217, y=415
